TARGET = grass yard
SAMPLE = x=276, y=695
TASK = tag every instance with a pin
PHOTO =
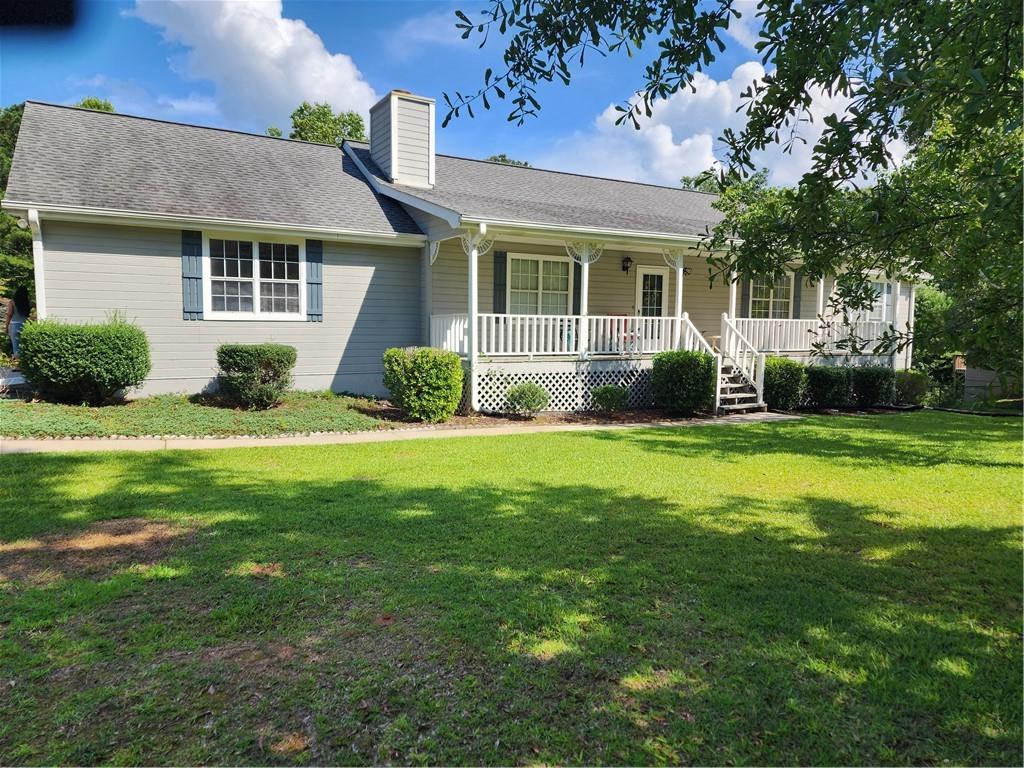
x=184, y=415
x=830, y=591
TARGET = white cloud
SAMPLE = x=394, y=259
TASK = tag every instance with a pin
x=426, y=32
x=131, y=98
x=261, y=64
x=681, y=136
x=744, y=30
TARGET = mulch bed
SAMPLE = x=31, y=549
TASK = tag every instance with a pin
x=385, y=410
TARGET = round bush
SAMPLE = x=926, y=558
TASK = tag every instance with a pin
x=526, y=399
x=684, y=381
x=255, y=376
x=84, y=363
x=784, y=381
x=610, y=398
x=425, y=382
x=911, y=387
x=872, y=385
x=828, y=386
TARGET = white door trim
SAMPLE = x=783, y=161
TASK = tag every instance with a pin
x=650, y=270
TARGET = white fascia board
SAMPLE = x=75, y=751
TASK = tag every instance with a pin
x=452, y=218
x=150, y=219
x=608, y=235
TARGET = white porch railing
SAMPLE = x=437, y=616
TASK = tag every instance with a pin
x=559, y=335
x=779, y=336
x=503, y=335
x=738, y=350
x=449, y=332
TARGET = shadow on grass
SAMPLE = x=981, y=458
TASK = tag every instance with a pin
x=547, y=623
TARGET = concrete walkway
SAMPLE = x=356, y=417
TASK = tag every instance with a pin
x=71, y=445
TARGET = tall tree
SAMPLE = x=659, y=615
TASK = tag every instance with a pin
x=320, y=123
x=506, y=160
x=15, y=242
x=95, y=102
x=705, y=181
x=943, y=78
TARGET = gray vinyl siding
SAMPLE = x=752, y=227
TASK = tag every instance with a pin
x=371, y=302
x=380, y=135
x=413, y=126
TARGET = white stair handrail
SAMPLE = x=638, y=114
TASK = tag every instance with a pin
x=744, y=355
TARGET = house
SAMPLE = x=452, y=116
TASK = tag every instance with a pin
x=204, y=236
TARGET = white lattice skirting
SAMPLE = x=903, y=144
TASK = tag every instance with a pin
x=568, y=382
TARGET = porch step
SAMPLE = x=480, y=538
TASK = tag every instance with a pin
x=737, y=396
x=743, y=408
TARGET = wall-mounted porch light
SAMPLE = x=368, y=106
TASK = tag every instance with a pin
x=626, y=264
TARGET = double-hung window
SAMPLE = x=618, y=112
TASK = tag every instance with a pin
x=772, y=299
x=255, y=279
x=882, y=308
x=539, y=285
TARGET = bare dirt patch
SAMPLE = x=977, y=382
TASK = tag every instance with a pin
x=95, y=552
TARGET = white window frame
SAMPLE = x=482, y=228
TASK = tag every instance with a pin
x=209, y=313
x=540, y=258
x=887, y=297
x=771, y=300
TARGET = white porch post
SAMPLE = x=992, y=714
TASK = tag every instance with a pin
x=675, y=259
x=821, y=296
x=37, y=262
x=909, y=349
x=426, y=287
x=474, y=245
x=895, y=315
x=733, y=288
x=584, y=253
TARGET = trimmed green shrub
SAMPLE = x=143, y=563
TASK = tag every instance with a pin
x=425, y=382
x=911, y=387
x=610, y=398
x=255, y=376
x=526, y=399
x=872, y=385
x=684, y=381
x=784, y=382
x=828, y=386
x=84, y=363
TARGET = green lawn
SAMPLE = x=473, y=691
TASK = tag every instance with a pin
x=834, y=590
x=183, y=415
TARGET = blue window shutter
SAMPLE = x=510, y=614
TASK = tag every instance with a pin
x=798, y=283
x=315, y=281
x=577, y=284
x=191, y=275
x=744, y=308
x=500, y=282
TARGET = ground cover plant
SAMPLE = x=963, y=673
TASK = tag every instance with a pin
x=184, y=415
x=829, y=590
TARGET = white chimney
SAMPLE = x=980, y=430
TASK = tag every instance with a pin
x=402, y=138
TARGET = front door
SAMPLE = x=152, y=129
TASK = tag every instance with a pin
x=651, y=285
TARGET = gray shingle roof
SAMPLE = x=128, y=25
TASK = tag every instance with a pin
x=76, y=157
x=496, y=192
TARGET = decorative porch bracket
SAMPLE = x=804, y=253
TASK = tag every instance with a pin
x=435, y=248
x=584, y=253
x=675, y=258
x=476, y=241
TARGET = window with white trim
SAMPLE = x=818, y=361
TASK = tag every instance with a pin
x=772, y=299
x=881, y=310
x=539, y=285
x=254, y=279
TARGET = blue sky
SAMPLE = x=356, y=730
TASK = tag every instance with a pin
x=245, y=64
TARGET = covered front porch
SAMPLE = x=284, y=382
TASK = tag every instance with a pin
x=502, y=299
